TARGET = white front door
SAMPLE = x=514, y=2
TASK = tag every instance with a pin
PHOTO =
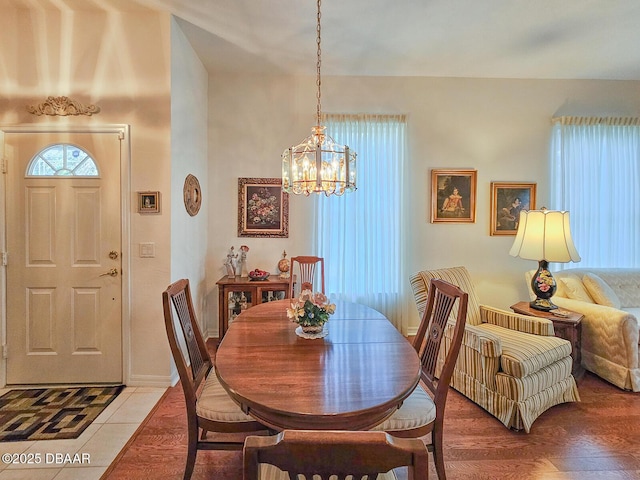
x=63, y=227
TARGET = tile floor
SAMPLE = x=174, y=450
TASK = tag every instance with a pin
x=96, y=447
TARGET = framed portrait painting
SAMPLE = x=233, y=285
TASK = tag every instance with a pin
x=453, y=196
x=148, y=202
x=508, y=199
x=263, y=208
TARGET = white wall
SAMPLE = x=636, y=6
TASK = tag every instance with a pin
x=189, y=110
x=120, y=62
x=498, y=127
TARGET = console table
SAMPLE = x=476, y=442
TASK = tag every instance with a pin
x=236, y=294
x=569, y=328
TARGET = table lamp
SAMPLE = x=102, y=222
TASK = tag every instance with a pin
x=544, y=235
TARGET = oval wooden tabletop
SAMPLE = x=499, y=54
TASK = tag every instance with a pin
x=352, y=379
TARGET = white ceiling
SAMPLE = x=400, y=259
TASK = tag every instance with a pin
x=566, y=39
x=552, y=39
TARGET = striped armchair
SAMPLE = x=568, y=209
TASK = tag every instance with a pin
x=511, y=365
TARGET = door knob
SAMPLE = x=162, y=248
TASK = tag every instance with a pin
x=113, y=254
x=112, y=273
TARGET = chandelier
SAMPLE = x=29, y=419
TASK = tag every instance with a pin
x=318, y=164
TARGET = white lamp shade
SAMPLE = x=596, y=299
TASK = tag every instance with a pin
x=544, y=235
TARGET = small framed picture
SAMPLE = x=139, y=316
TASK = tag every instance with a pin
x=148, y=202
x=263, y=208
x=507, y=200
x=453, y=196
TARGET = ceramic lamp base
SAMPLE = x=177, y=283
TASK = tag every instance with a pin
x=544, y=287
x=542, y=304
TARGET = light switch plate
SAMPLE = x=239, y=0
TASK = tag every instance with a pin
x=148, y=250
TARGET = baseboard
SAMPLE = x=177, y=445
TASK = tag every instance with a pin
x=152, y=380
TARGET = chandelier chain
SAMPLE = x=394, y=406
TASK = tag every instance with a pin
x=318, y=63
x=319, y=164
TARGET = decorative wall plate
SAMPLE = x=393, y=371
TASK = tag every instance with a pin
x=192, y=195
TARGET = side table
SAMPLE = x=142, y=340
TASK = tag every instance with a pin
x=569, y=328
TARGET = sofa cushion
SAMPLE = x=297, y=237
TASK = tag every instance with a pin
x=625, y=283
x=575, y=289
x=519, y=389
x=601, y=293
x=524, y=353
x=560, y=288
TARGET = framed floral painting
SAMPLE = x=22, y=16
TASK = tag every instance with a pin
x=263, y=208
x=453, y=196
x=508, y=199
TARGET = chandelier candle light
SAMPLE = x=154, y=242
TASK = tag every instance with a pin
x=318, y=164
x=545, y=236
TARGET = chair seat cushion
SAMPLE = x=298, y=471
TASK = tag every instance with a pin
x=215, y=404
x=524, y=353
x=270, y=472
x=416, y=411
x=520, y=389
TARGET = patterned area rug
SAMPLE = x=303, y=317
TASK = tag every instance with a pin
x=51, y=413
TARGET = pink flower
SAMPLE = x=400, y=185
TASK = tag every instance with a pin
x=319, y=299
x=305, y=295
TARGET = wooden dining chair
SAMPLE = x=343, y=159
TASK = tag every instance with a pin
x=326, y=453
x=209, y=407
x=421, y=414
x=307, y=267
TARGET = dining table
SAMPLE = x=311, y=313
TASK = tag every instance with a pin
x=351, y=379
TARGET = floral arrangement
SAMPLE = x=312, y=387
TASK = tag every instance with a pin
x=311, y=309
x=263, y=208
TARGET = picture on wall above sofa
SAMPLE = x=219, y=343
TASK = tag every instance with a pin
x=508, y=199
x=453, y=196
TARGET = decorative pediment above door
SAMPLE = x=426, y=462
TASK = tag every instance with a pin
x=62, y=106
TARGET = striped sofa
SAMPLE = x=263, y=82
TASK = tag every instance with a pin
x=511, y=365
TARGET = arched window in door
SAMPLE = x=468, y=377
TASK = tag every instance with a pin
x=62, y=159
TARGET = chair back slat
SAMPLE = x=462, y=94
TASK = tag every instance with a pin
x=177, y=298
x=307, y=268
x=187, y=324
x=428, y=341
x=357, y=455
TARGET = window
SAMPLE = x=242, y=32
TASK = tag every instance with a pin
x=359, y=234
x=595, y=175
x=62, y=159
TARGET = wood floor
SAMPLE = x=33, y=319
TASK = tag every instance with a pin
x=598, y=438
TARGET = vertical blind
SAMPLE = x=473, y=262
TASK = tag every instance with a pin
x=360, y=234
x=595, y=174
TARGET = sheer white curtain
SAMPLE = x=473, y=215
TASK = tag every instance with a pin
x=360, y=234
x=595, y=174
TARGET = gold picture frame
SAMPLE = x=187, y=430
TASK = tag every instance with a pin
x=148, y=202
x=453, y=196
x=263, y=208
x=507, y=200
